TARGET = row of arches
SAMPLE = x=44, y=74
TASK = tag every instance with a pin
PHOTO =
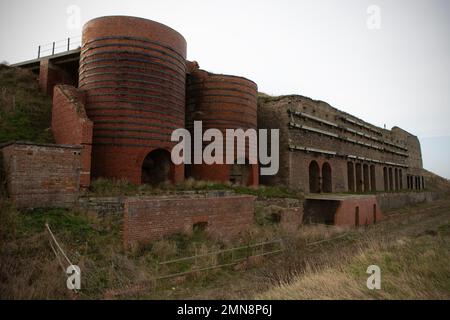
x=415, y=182
x=361, y=177
x=320, y=179
x=392, y=178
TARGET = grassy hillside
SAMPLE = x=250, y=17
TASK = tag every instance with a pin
x=411, y=246
x=25, y=113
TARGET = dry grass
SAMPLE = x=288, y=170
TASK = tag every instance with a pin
x=413, y=253
x=414, y=240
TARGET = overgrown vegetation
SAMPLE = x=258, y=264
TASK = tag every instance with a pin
x=411, y=247
x=25, y=113
x=107, y=187
x=29, y=268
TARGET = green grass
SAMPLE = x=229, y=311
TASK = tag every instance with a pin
x=102, y=187
x=25, y=112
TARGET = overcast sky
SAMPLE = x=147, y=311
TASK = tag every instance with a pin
x=386, y=62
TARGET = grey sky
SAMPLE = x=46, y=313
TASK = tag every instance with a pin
x=397, y=75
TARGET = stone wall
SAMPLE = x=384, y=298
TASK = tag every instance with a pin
x=153, y=218
x=43, y=175
x=389, y=201
x=313, y=131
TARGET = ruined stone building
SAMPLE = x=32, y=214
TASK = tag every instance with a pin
x=122, y=93
x=323, y=149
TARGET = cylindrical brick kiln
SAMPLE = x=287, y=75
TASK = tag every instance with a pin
x=133, y=71
x=222, y=102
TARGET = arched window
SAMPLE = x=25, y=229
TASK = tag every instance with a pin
x=314, y=177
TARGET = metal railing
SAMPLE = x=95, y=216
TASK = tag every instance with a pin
x=52, y=48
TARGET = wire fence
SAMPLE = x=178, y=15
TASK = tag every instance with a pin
x=55, y=47
x=183, y=266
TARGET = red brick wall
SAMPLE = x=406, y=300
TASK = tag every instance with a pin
x=220, y=102
x=42, y=175
x=70, y=125
x=342, y=210
x=291, y=218
x=367, y=208
x=133, y=71
x=148, y=219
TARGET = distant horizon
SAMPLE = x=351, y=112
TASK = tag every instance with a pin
x=384, y=62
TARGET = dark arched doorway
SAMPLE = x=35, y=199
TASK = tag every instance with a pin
x=314, y=177
x=326, y=178
x=156, y=167
x=385, y=178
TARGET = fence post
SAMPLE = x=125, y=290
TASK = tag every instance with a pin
x=39, y=52
x=53, y=48
x=68, y=44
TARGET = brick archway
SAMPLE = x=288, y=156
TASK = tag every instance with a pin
x=157, y=167
x=314, y=177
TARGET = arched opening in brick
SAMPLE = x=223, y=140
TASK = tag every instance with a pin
x=240, y=173
x=327, y=183
x=157, y=167
x=366, y=177
x=396, y=179
x=385, y=178
x=391, y=180
x=373, y=182
x=359, y=180
x=423, y=182
x=351, y=176
x=314, y=177
x=400, y=178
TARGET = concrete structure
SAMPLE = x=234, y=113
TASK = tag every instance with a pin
x=323, y=149
x=41, y=175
